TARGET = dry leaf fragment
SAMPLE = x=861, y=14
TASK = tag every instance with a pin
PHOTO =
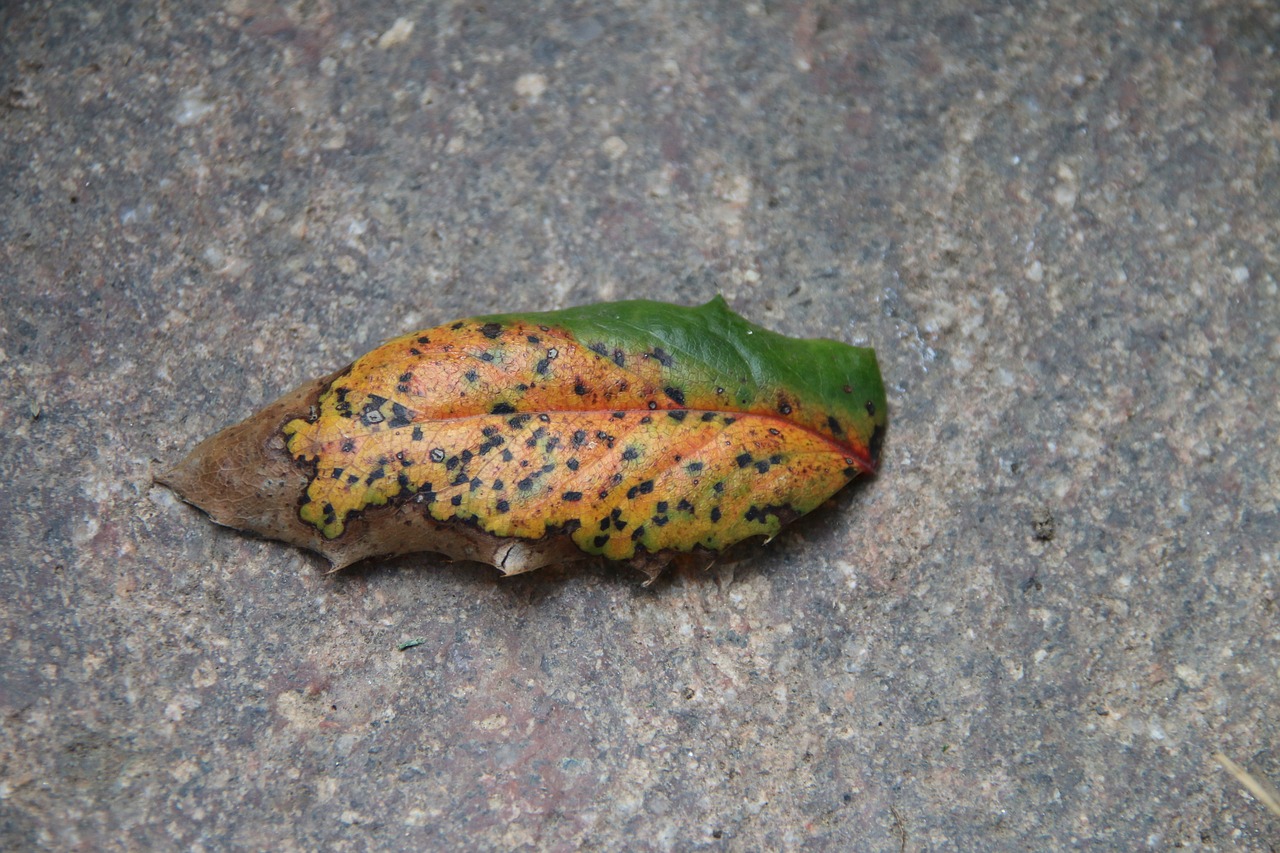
x=632, y=430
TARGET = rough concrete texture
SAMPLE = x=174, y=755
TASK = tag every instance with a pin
x=1058, y=224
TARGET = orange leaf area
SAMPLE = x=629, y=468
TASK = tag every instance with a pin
x=520, y=429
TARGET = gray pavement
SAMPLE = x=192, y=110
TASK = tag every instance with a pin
x=1059, y=224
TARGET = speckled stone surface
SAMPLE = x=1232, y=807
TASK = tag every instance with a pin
x=1057, y=223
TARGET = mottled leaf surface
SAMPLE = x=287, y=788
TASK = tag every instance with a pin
x=631, y=430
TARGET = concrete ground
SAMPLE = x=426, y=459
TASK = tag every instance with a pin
x=1058, y=223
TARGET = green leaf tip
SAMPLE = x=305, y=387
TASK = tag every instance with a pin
x=712, y=347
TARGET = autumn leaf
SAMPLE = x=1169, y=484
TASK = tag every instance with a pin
x=630, y=430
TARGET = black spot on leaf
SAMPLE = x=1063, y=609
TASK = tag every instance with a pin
x=400, y=416
x=662, y=356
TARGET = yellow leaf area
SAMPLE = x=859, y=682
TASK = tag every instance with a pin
x=521, y=430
